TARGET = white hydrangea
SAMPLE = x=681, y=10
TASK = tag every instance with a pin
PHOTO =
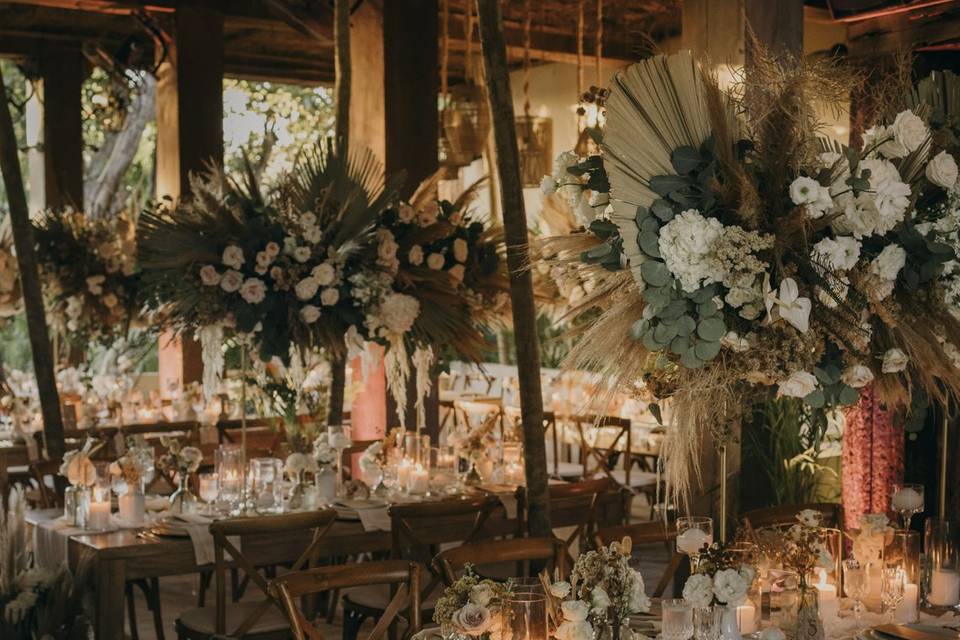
x=686, y=244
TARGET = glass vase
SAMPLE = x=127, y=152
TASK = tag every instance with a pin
x=182, y=501
x=472, y=477
x=808, y=625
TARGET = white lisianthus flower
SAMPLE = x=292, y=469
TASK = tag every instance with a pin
x=329, y=297
x=548, y=185
x=306, y=288
x=324, y=273
x=909, y=130
x=309, y=313
x=435, y=261
x=415, y=256
x=456, y=272
x=804, y=190
x=822, y=205
x=884, y=141
x=560, y=589
x=686, y=244
x=857, y=376
x=840, y=254
x=798, y=385
x=460, y=250
x=730, y=587
x=301, y=254
x=481, y=594
x=942, y=170
x=698, y=591
x=233, y=257
x=575, y=610
x=231, y=281
x=891, y=195
x=472, y=619
x=894, y=361
x=253, y=290
x=888, y=264
x=272, y=249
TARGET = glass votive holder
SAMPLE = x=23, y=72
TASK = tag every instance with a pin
x=418, y=480
x=706, y=623
x=784, y=598
x=525, y=616
x=677, y=622
x=942, y=579
x=267, y=486
x=98, y=512
x=75, y=504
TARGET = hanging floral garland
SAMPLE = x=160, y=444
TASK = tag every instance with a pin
x=740, y=250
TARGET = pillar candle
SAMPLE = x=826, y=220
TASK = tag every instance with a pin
x=419, y=482
x=827, y=597
x=746, y=618
x=907, y=609
x=98, y=517
x=944, y=588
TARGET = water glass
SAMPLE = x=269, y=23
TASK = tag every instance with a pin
x=267, y=486
x=677, y=620
x=855, y=584
x=209, y=489
x=706, y=623
x=907, y=500
x=525, y=616
x=891, y=593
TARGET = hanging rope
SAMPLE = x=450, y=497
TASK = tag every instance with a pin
x=599, y=78
x=580, y=30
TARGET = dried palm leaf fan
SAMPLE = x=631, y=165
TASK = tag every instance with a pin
x=534, y=134
x=466, y=119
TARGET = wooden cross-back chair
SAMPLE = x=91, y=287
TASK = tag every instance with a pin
x=787, y=514
x=264, y=435
x=575, y=504
x=600, y=459
x=264, y=619
x=46, y=496
x=522, y=551
x=513, y=420
x=470, y=414
x=645, y=533
x=415, y=531
x=399, y=576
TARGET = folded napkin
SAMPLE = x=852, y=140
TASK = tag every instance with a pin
x=374, y=519
x=198, y=528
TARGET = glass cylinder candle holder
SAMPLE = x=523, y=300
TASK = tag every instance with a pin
x=76, y=499
x=784, y=597
x=229, y=468
x=98, y=513
x=902, y=551
x=443, y=469
x=942, y=579
x=267, y=489
x=525, y=616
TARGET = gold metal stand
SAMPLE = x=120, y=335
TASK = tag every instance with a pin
x=944, y=441
x=723, y=493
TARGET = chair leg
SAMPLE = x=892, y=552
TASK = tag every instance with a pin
x=131, y=610
x=333, y=599
x=205, y=577
x=155, y=607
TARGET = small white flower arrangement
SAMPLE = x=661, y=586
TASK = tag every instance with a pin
x=471, y=607
x=721, y=579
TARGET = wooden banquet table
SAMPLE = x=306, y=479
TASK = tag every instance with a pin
x=123, y=555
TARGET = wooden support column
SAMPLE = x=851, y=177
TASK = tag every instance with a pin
x=393, y=109
x=189, y=136
x=62, y=73
x=718, y=31
x=497, y=72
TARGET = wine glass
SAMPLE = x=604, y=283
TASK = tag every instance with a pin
x=338, y=437
x=855, y=584
x=891, y=591
x=209, y=489
x=907, y=500
x=693, y=534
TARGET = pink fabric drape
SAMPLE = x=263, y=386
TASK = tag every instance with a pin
x=872, y=458
x=368, y=413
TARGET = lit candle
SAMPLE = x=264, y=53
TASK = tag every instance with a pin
x=98, y=517
x=746, y=618
x=403, y=472
x=907, y=609
x=907, y=499
x=419, y=480
x=827, y=597
x=944, y=588
x=692, y=540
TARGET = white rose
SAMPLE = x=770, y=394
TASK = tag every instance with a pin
x=698, y=591
x=429, y=215
x=575, y=610
x=312, y=235
x=309, y=314
x=308, y=219
x=306, y=288
x=231, y=281
x=324, y=273
x=472, y=619
x=460, y=250
x=272, y=249
x=942, y=170
x=329, y=297
x=301, y=254
x=574, y=630
x=406, y=214
x=264, y=259
x=253, y=290
x=481, y=594
x=416, y=255
x=435, y=261
x=894, y=361
x=887, y=265
x=909, y=130
x=857, y=376
x=548, y=186
x=599, y=600
x=730, y=587
x=560, y=589
x=233, y=257
x=456, y=272
x=804, y=190
x=798, y=385
x=387, y=249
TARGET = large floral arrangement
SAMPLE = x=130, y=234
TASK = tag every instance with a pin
x=130, y=468
x=295, y=268
x=739, y=249
x=90, y=275
x=603, y=590
x=471, y=606
x=720, y=579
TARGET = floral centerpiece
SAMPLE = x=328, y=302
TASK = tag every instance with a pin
x=90, y=275
x=739, y=250
x=182, y=461
x=874, y=534
x=473, y=443
x=720, y=579
x=129, y=469
x=471, y=607
x=602, y=594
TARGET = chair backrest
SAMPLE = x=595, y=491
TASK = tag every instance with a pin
x=646, y=533
x=316, y=521
x=513, y=421
x=418, y=527
x=471, y=414
x=787, y=514
x=573, y=504
x=264, y=435
x=523, y=551
x=358, y=446
x=603, y=454
x=400, y=575
x=40, y=470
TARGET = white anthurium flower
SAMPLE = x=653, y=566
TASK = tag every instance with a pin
x=799, y=384
x=894, y=361
x=794, y=308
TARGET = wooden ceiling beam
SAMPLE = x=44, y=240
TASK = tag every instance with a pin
x=933, y=27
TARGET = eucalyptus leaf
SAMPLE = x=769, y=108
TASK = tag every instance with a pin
x=690, y=360
x=664, y=333
x=665, y=185
x=680, y=345
x=662, y=209
x=707, y=309
x=712, y=329
x=655, y=273
x=685, y=159
x=675, y=309
x=848, y=396
x=704, y=294
x=657, y=297
x=815, y=399
x=707, y=350
x=650, y=341
x=686, y=325
x=650, y=243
